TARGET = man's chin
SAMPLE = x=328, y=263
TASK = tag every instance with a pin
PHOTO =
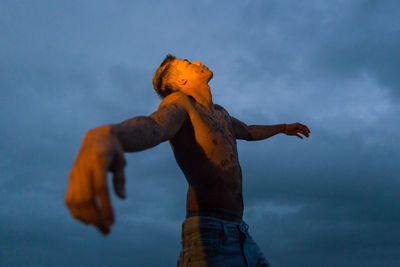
x=211, y=76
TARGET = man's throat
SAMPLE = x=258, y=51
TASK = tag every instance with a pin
x=203, y=97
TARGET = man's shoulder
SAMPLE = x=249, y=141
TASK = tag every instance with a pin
x=176, y=98
x=221, y=108
x=177, y=101
x=223, y=111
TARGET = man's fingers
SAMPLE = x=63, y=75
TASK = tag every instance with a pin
x=79, y=198
x=77, y=214
x=89, y=213
x=101, y=224
x=304, y=127
x=300, y=128
x=105, y=207
x=82, y=203
x=105, y=230
x=119, y=182
x=101, y=192
x=117, y=167
x=304, y=132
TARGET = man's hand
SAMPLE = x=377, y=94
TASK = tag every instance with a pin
x=296, y=128
x=87, y=196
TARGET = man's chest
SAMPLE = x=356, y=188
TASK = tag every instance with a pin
x=212, y=126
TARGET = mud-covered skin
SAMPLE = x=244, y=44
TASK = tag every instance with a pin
x=205, y=149
x=204, y=145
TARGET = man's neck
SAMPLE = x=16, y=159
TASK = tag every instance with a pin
x=202, y=96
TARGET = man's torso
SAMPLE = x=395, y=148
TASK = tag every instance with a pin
x=205, y=149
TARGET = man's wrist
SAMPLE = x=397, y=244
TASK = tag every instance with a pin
x=284, y=128
x=101, y=134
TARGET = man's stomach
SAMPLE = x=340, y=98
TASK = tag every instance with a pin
x=214, y=203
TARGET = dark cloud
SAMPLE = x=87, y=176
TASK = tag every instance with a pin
x=326, y=201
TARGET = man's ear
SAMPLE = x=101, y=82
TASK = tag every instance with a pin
x=181, y=81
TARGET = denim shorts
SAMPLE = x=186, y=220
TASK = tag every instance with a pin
x=209, y=241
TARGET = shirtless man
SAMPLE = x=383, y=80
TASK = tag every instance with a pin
x=203, y=137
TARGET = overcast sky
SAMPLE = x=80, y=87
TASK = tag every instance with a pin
x=330, y=200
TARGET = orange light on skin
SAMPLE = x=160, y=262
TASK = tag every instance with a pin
x=201, y=134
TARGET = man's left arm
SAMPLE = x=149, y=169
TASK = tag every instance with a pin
x=261, y=132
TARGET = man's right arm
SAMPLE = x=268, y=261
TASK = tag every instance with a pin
x=144, y=132
x=102, y=150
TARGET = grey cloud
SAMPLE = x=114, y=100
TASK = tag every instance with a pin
x=336, y=199
x=325, y=41
x=326, y=201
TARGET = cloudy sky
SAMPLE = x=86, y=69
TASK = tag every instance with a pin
x=330, y=200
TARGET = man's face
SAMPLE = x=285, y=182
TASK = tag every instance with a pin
x=194, y=72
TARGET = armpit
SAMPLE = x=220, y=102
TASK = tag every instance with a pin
x=242, y=130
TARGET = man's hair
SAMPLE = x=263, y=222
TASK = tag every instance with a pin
x=161, y=82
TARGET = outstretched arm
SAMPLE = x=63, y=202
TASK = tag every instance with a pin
x=261, y=132
x=143, y=132
x=102, y=150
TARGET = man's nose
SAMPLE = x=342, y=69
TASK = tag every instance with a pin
x=198, y=63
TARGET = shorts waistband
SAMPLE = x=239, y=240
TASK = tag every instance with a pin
x=223, y=214
x=197, y=224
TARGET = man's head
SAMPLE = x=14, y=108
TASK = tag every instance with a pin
x=179, y=75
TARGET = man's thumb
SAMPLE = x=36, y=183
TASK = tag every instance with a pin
x=119, y=182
